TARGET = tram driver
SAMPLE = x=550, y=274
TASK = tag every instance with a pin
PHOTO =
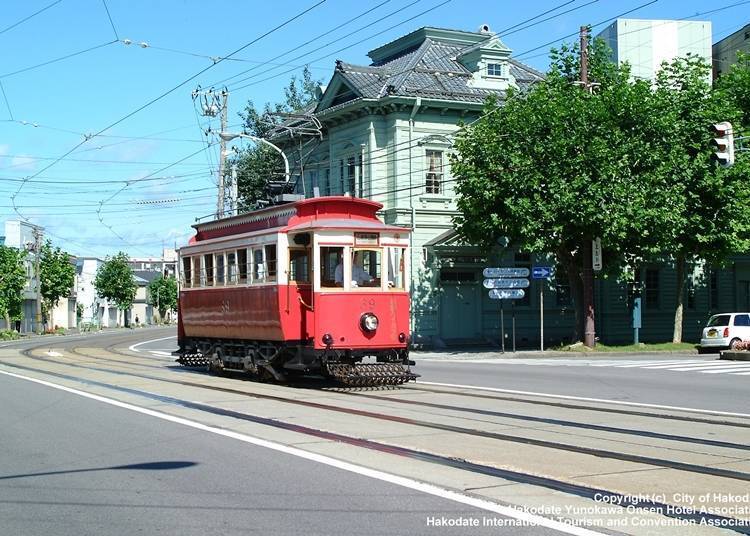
x=360, y=276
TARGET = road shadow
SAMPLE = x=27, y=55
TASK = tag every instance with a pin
x=149, y=466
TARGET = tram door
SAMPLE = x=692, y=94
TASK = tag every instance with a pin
x=460, y=302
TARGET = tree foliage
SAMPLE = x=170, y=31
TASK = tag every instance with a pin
x=258, y=164
x=162, y=293
x=12, y=282
x=115, y=281
x=553, y=167
x=710, y=218
x=57, y=274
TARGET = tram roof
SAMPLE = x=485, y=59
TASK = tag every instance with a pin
x=339, y=212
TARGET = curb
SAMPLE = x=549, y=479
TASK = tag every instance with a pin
x=730, y=355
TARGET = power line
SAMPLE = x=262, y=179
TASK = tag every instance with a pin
x=169, y=91
x=29, y=17
x=315, y=39
x=10, y=112
x=61, y=58
x=110, y=20
x=592, y=26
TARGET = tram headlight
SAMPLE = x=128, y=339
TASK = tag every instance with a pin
x=328, y=339
x=369, y=322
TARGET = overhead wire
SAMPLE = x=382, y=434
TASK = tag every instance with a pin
x=164, y=94
x=29, y=17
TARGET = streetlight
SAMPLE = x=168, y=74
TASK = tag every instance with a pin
x=229, y=136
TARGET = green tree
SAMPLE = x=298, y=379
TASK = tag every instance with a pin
x=12, y=282
x=115, y=281
x=162, y=294
x=711, y=205
x=258, y=164
x=735, y=86
x=57, y=275
x=556, y=166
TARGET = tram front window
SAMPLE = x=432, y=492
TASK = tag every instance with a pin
x=366, y=267
x=331, y=259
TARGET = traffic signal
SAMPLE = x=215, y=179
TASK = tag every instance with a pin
x=723, y=142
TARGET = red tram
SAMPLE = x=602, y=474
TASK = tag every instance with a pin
x=317, y=286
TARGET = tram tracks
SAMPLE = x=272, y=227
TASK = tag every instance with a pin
x=136, y=370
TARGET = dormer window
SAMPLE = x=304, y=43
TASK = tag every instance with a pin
x=495, y=69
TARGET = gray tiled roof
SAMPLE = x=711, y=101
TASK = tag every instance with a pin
x=430, y=69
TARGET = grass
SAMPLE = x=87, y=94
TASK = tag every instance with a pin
x=643, y=347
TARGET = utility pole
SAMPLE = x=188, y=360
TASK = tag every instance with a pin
x=589, y=326
x=211, y=105
x=222, y=155
x=37, y=274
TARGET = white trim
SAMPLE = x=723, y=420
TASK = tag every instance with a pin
x=430, y=489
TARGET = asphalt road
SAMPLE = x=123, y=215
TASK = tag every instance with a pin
x=75, y=466
x=619, y=378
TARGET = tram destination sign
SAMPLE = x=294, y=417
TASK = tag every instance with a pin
x=505, y=272
x=507, y=294
x=507, y=282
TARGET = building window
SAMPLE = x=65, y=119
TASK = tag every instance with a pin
x=690, y=293
x=495, y=69
x=457, y=277
x=327, y=185
x=562, y=288
x=351, y=174
x=434, y=175
x=652, y=288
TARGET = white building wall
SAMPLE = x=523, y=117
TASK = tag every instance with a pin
x=645, y=44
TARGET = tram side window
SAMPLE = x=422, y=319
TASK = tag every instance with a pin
x=271, y=262
x=366, y=267
x=197, y=279
x=220, y=269
x=208, y=261
x=259, y=269
x=242, y=265
x=331, y=267
x=299, y=265
x=396, y=268
x=231, y=268
x=187, y=276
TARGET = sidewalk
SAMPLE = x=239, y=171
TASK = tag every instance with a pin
x=488, y=353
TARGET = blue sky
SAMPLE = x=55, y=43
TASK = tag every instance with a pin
x=124, y=189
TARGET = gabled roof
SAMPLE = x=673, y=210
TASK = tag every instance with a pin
x=424, y=63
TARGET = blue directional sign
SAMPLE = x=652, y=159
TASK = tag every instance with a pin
x=506, y=272
x=506, y=294
x=542, y=272
x=506, y=283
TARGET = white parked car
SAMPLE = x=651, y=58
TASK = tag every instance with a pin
x=725, y=330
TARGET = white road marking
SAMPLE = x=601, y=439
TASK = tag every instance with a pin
x=52, y=353
x=134, y=347
x=584, y=399
x=416, y=485
x=160, y=353
x=716, y=366
x=726, y=370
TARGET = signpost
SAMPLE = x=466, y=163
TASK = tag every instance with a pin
x=542, y=272
x=506, y=284
x=596, y=254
